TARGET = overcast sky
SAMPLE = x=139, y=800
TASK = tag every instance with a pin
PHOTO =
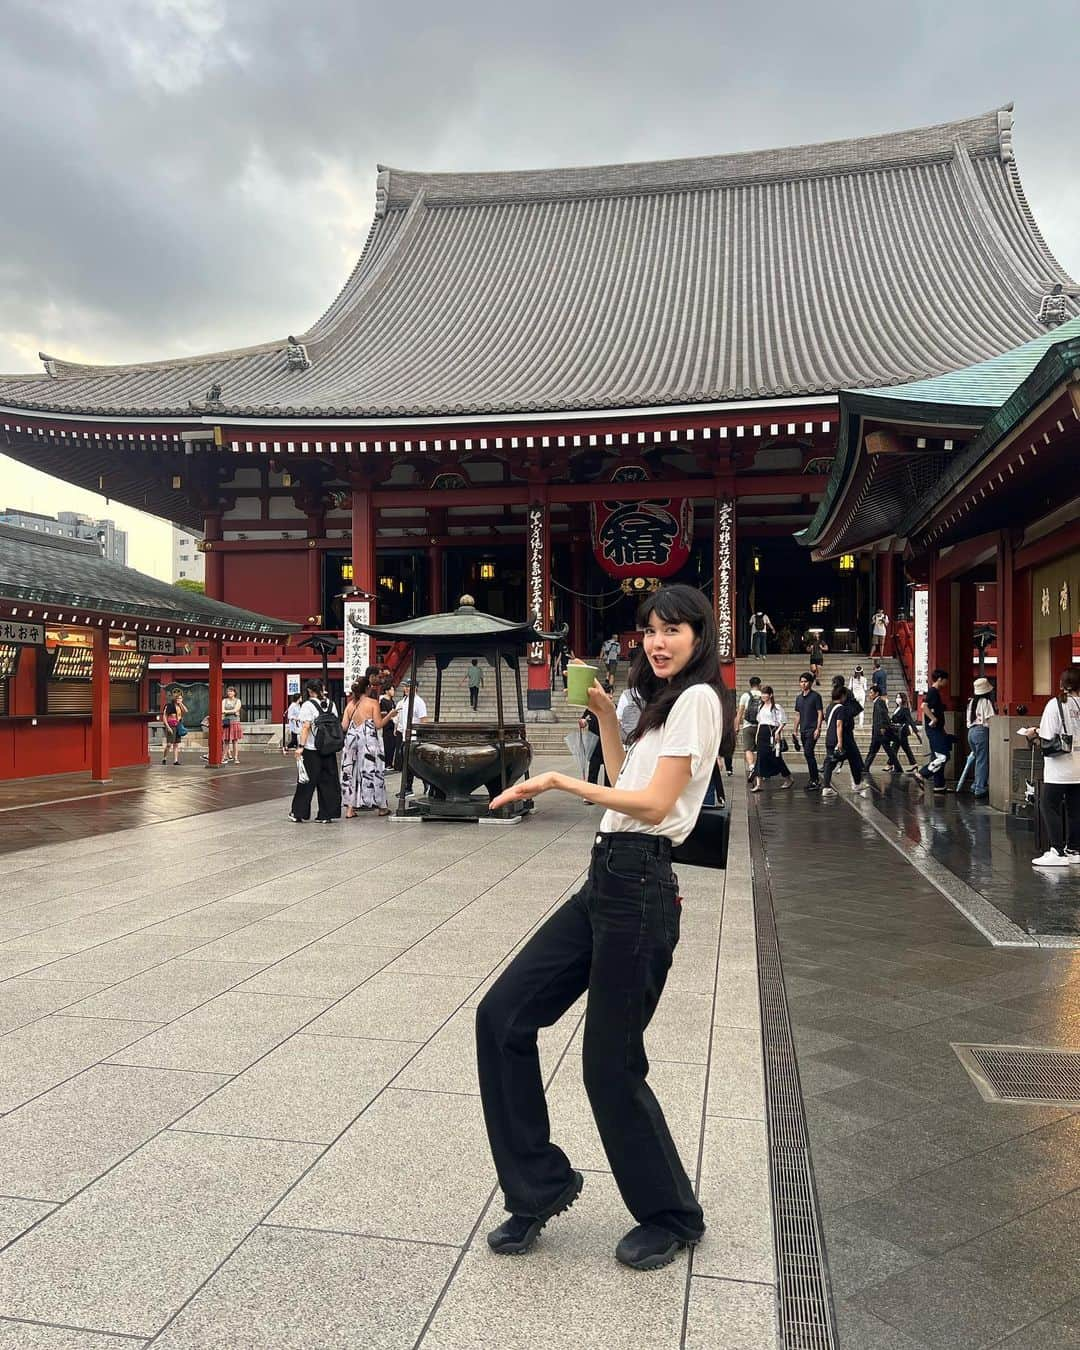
x=184, y=175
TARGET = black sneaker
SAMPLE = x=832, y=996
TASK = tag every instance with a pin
x=520, y=1231
x=648, y=1247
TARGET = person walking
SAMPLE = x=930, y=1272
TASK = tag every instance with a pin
x=809, y=717
x=749, y=707
x=609, y=656
x=474, y=678
x=613, y=941
x=879, y=678
x=588, y=722
x=363, y=758
x=980, y=709
x=840, y=747
x=290, y=723
x=879, y=626
x=231, y=709
x=1060, y=724
x=760, y=628
x=882, y=732
x=172, y=721
x=937, y=736
x=859, y=689
x=770, y=742
x=316, y=752
x=816, y=650
x=906, y=725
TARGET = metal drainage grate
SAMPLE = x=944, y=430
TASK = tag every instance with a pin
x=806, y=1315
x=1023, y=1074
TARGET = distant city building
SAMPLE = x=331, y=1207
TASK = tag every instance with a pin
x=73, y=525
x=188, y=563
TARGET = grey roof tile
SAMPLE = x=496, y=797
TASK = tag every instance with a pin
x=868, y=262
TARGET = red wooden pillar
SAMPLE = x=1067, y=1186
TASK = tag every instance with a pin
x=940, y=620
x=538, y=595
x=1015, y=657
x=435, y=579
x=579, y=554
x=886, y=585
x=724, y=577
x=100, y=759
x=313, y=592
x=363, y=539
x=214, y=559
x=213, y=738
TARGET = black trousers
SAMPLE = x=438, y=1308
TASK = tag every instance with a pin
x=905, y=744
x=888, y=744
x=614, y=939
x=322, y=772
x=809, y=749
x=852, y=756
x=474, y=695
x=1059, y=800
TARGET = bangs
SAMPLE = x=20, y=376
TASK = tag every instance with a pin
x=670, y=605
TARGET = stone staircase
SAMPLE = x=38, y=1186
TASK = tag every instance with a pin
x=783, y=672
x=546, y=738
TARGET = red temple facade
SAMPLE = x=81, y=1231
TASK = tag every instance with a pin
x=552, y=389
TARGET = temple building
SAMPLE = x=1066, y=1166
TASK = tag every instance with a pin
x=553, y=389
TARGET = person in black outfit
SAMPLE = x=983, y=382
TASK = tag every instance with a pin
x=596, y=759
x=322, y=770
x=809, y=715
x=882, y=733
x=936, y=734
x=840, y=739
x=905, y=724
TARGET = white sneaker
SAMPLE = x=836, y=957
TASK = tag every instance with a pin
x=1051, y=858
x=936, y=763
x=1073, y=855
x=828, y=792
x=861, y=788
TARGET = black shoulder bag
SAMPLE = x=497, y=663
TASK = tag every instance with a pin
x=707, y=843
x=1061, y=743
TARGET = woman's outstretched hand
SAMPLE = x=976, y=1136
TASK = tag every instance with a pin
x=529, y=787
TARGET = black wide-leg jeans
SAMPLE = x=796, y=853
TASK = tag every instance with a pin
x=614, y=938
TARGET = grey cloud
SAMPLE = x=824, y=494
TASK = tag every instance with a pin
x=188, y=174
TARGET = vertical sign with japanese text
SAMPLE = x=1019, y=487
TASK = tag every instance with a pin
x=536, y=575
x=922, y=639
x=723, y=576
x=357, y=644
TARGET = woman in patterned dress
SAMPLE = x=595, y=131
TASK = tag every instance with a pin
x=363, y=765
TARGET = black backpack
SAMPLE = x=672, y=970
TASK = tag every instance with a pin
x=753, y=706
x=326, y=731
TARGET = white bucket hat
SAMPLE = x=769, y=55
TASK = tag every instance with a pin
x=983, y=687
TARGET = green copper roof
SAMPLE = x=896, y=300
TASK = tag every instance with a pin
x=987, y=384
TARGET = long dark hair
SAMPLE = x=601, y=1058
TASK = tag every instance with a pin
x=680, y=604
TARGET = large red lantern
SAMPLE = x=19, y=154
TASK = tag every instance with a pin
x=644, y=538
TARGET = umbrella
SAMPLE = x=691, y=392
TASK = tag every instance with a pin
x=581, y=745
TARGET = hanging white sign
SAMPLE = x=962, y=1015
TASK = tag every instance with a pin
x=357, y=644
x=922, y=639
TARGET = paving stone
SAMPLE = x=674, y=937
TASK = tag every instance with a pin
x=858, y=1261
x=447, y=1063
x=286, y=1290
x=471, y=953
x=323, y=970
x=145, y=1236
x=37, y=1057
x=569, y=1294
x=225, y=1035
x=120, y=959
x=735, y=1316
x=61, y=1141
x=18, y=960
x=16, y=1216
x=735, y=1196
x=23, y=1001
x=429, y=1191
x=264, y=941
x=401, y=1007
x=679, y=1029
x=307, y=1089
x=26, y=1336
x=167, y=992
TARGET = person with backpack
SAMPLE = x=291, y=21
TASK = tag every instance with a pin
x=750, y=704
x=760, y=628
x=320, y=739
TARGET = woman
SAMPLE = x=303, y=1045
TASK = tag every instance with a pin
x=816, y=650
x=980, y=709
x=231, y=708
x=613, y=939
x=904, y=722
x=363, y=763
x=387, y=704
x=172, y=719
x=858, y=692
x=1061, y=774
x=290, y=731
x=770, y=734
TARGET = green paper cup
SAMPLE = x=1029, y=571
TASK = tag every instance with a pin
x=578, y=682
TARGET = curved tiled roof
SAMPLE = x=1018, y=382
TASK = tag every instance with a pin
x=788, y=272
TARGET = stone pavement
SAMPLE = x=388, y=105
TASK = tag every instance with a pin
x=238, y=1103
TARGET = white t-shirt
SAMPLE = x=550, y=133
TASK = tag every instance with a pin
x=771, y=717
x=402, y=710
x=1062, y=768
x=308, y=713
x=693, y=728
x=881, y=622
x=293, y=716
x=627, y=710
x=982, y=713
